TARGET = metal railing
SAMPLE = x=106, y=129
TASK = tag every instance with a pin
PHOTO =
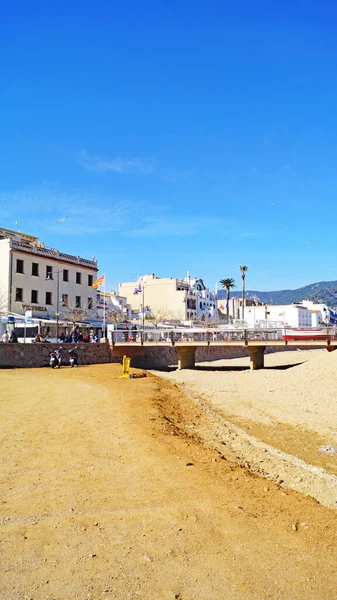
x=52, y=253
x=216, y=335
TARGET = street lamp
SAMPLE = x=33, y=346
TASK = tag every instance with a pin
x=57, y=314
x=139, y=289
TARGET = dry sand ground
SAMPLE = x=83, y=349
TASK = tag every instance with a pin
x=290, y=405
x=106, y=493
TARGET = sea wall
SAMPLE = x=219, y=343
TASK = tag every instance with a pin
x=37, y=355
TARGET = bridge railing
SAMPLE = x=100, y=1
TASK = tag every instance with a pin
x=216, y=335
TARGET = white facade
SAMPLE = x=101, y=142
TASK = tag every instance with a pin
x=321, y=313
x=291, y=315
x=30, y=275
x=206, y=300
x=112, y=302
x=179, y=299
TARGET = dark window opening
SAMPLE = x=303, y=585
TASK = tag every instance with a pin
x=34, y=297
x=78, y=302
x=90, y=280
x=65, y=275
x=19, y=295
x=48, y=298
x=35, y=269
x=78, y=277
x=49, y=272
x=19, y=266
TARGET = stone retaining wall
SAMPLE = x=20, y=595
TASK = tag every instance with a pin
x=162, y=358
x=38, y=355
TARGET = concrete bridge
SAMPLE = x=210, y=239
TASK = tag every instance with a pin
x=186, y=341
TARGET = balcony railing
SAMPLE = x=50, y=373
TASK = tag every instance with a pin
x=52, y=253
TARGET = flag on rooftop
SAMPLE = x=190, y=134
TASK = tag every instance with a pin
x=98, y=282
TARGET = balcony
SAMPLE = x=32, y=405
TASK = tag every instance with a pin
x=52, y=253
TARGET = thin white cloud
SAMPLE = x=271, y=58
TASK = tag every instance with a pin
x=98, y=164
x=38, y=210
x=172, y=226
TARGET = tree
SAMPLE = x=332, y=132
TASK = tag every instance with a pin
x=159, y=314
x=115, y=316
x=74, y=314
x=3, y=302
x=243, y=270
x=228, y=284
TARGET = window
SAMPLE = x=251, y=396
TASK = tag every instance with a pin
x=34, y=298
x=48, y=298
x=65, y=299
x=19, y=266
x=35, y=269
x=89, y=303
x=78, y=302
x=49, y=272
x=19, y=295
x=78, y=278
x=90, y=280
x=65, y=275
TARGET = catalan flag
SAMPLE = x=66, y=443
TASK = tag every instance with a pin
x=98, y=282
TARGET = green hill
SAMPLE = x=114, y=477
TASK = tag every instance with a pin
x=323, y=291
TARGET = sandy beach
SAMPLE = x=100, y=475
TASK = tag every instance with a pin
x=291, y=404
x=109, y=490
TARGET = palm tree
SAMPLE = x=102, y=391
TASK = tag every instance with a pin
x=228, y=284
x=243, y=270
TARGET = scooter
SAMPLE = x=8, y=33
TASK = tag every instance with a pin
x=73, y=357
x=56, y=358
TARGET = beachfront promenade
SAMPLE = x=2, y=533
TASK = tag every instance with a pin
x=186, y=341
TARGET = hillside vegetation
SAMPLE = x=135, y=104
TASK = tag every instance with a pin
x=323, y=291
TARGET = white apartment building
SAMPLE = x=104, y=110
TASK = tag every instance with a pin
x=291, y=315
x=110, y=302
x=31, y=275
x=257, y=314
x=206, y=302
x=321, y=313
x=179, y=299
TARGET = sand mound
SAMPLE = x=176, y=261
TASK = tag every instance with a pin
x=323, y=364
x=316, y=378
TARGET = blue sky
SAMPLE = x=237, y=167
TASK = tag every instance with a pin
x=174, y=137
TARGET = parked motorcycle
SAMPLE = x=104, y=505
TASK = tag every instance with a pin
x=56, y=358
x=73, y=357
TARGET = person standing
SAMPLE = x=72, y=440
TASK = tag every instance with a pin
x=125, y=333
x=13, y=337
x=5, y=337
x=134, y=332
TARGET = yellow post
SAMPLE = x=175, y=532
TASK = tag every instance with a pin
x=125, y=367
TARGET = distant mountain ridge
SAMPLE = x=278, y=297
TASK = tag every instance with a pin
x=322, y=291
